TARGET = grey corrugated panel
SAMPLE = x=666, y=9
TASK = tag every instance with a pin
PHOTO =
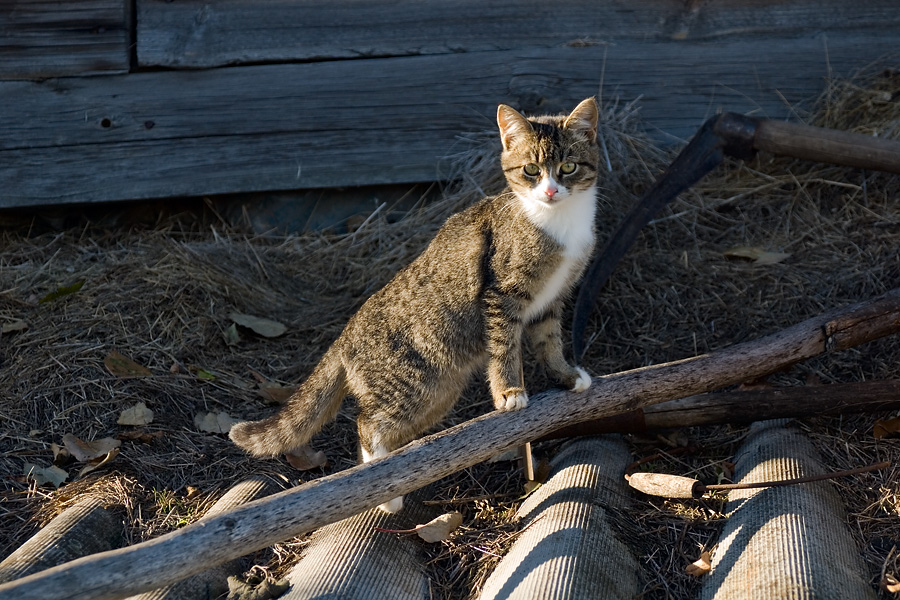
x=567, y=549
x=82, y=529
x=784, y=542
x=213, y=583
x=351, y=560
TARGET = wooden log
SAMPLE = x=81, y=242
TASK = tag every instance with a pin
x=84, y=528
x=374, y=121
x=198, y=34
x=213, y=583
x=745, y=406
x=120, y=573
x=49, y=38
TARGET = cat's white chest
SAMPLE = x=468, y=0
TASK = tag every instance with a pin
x=571, y=224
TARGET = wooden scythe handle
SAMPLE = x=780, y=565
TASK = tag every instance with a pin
x=827, y=145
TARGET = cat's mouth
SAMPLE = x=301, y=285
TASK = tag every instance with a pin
x=550, y=200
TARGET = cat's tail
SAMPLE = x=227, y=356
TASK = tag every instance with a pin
x=315, y=403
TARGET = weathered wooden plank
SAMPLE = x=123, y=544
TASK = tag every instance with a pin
x=197, y=33
x=51, y=38
x=340, y=123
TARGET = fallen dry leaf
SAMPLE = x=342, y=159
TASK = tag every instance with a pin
x=305, y=458
x=60, y=454
x=142, y=437
x=41, y=475
x=256, y=590
x=440, y=528
x=98, y=462
x=434, y=530
x=87, y=451
x=275, y=393
x=701, y=566
x=264, y=327
x=757, y=255
x=121, y=366
x=232, y=335
x=138, y=414
x=13, y=327
x=531, y=487
x=890, y=584
x=886, y=427
x=219, y=422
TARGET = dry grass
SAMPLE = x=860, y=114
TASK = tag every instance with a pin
x=161, y=292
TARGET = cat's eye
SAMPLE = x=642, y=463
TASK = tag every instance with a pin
x=567, y=168
x=531, y=169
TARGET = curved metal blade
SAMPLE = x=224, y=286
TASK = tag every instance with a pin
x=725, y=134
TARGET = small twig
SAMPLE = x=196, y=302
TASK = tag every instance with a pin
x=807, y=479
x=665, y=485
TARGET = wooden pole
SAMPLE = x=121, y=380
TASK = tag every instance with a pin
x=745, y=406
x=124, y=572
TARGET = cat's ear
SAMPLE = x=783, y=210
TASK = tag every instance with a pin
x=584, y=119
x=512, y=124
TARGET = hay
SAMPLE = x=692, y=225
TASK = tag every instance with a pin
x=160, y=290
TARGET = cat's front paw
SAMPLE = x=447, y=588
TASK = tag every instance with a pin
x=512, y=399
x=393, y=506
x=582, y=382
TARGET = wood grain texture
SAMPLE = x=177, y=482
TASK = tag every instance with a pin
x=120, y=573
x=51, y=38
x=198, y=33
x=372, y=121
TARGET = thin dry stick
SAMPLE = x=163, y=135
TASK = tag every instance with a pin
x=783, y=482
x=124, y=572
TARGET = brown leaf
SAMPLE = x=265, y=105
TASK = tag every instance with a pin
x=701, y=566
x=890, y=584
x=41, y=475
x=13, y=327
x=264, y=327
x=275, y=393
x=440, y=528
x=434, y=530
x=138, y=414
x=305, y=458
x=232, y=336
x=60, y=455
x=219, y=422
x=121, y=366
x=139, y=436
x=87, y=451
x=757, y=255
x=99, y=462
x=886, y=427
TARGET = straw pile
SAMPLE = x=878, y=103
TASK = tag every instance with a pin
x=161, y=293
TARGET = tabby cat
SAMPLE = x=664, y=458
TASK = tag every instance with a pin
x=493, y=272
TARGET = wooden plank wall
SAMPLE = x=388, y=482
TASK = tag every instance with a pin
x=49, y=38
x=252, y=95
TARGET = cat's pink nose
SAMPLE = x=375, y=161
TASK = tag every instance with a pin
x=551, y=191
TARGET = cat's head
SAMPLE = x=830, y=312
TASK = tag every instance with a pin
x=548, y=159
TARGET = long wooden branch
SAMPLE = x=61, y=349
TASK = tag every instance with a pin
x=746, y=406
x=127, y=571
